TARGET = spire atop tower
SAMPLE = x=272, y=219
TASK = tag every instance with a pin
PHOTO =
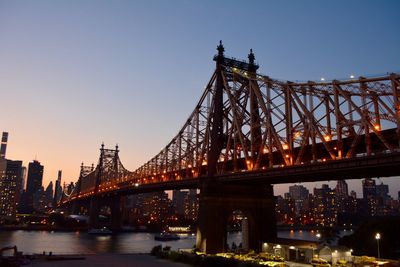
x=220, y=49
x=251, y=57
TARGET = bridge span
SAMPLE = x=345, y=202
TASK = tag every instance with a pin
x=248, y=132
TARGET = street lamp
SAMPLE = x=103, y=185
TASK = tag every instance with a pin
x=378, y=237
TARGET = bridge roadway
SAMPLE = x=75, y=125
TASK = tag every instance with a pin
x=384, y=164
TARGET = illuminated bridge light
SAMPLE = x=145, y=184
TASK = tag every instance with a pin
x=327, y=137
x=377, y=127
x=285, y=146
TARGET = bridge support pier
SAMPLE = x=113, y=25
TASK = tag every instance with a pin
x=116, y=213
x=79, y=207
x=94, y=213
x=217, y=204
x=114, y=203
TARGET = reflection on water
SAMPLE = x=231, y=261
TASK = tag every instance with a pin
x=310, y=235
x=80, y=242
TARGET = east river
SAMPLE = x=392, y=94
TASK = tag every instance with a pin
x=82, y=243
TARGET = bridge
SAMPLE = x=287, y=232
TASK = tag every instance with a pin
x=248, y=132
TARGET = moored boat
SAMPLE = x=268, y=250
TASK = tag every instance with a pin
x=164, y=236
x=100, y=231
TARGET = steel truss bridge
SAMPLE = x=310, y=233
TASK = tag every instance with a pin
x=250, y=127
x=249, y=131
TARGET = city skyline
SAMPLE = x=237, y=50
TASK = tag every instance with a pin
x=75, y=76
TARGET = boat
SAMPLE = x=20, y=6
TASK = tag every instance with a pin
x=100, y=231
x=164, y=236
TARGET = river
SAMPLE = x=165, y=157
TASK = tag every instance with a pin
x=82, y=243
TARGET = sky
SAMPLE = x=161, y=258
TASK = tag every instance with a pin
x=74, y=74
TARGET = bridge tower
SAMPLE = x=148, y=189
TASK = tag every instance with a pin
x=108, y=164
x=217, y=200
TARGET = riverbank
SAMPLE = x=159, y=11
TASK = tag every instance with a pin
x=114, y=260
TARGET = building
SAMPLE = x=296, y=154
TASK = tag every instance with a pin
x=3, y=146
x=24, y=173
x=369, y=196
x=191, y=204
x=57, y=189
x=10, y=187
x=342, y=189
x=48, y=196
x=32, y=197
x=342, y=196
x=325, y=210
x=298, y=192
x=178, y=201
x=369, y=188
x=35, y=177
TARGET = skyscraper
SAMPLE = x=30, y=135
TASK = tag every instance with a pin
x=325, y=204
x=369, y=188
x=369, y=196
x=58, y=189
x=48, y=196
x=35, y=177
x=23, y=174
x=33, y=184
x=342, y=190
x=298, y=192
x=178, y=200
x=10, y=183
x=3, y=146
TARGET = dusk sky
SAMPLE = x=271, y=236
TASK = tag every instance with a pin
x=74, y=74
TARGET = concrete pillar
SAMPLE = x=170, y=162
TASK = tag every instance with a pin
x=216, y=204
x=94, y=213
x=116, y=213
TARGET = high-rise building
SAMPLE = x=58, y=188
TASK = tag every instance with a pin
x=298, y=192
x=325, y=205
x=178, y=201
x=299, y=195
x=48, y=196
x=370, y=201
x=33, y=186
x=35, y=177
x=58, y=189
x=191, y=204
x=10, y=183
x=382, y=191
x=342, y=190
x=342, y=196
x=369, y=188
x=3, y=146
x=24, y=173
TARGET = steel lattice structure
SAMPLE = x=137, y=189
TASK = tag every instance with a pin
x=109, y=172
x=264, y=123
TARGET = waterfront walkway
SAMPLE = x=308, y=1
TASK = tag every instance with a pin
x=110, y=260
